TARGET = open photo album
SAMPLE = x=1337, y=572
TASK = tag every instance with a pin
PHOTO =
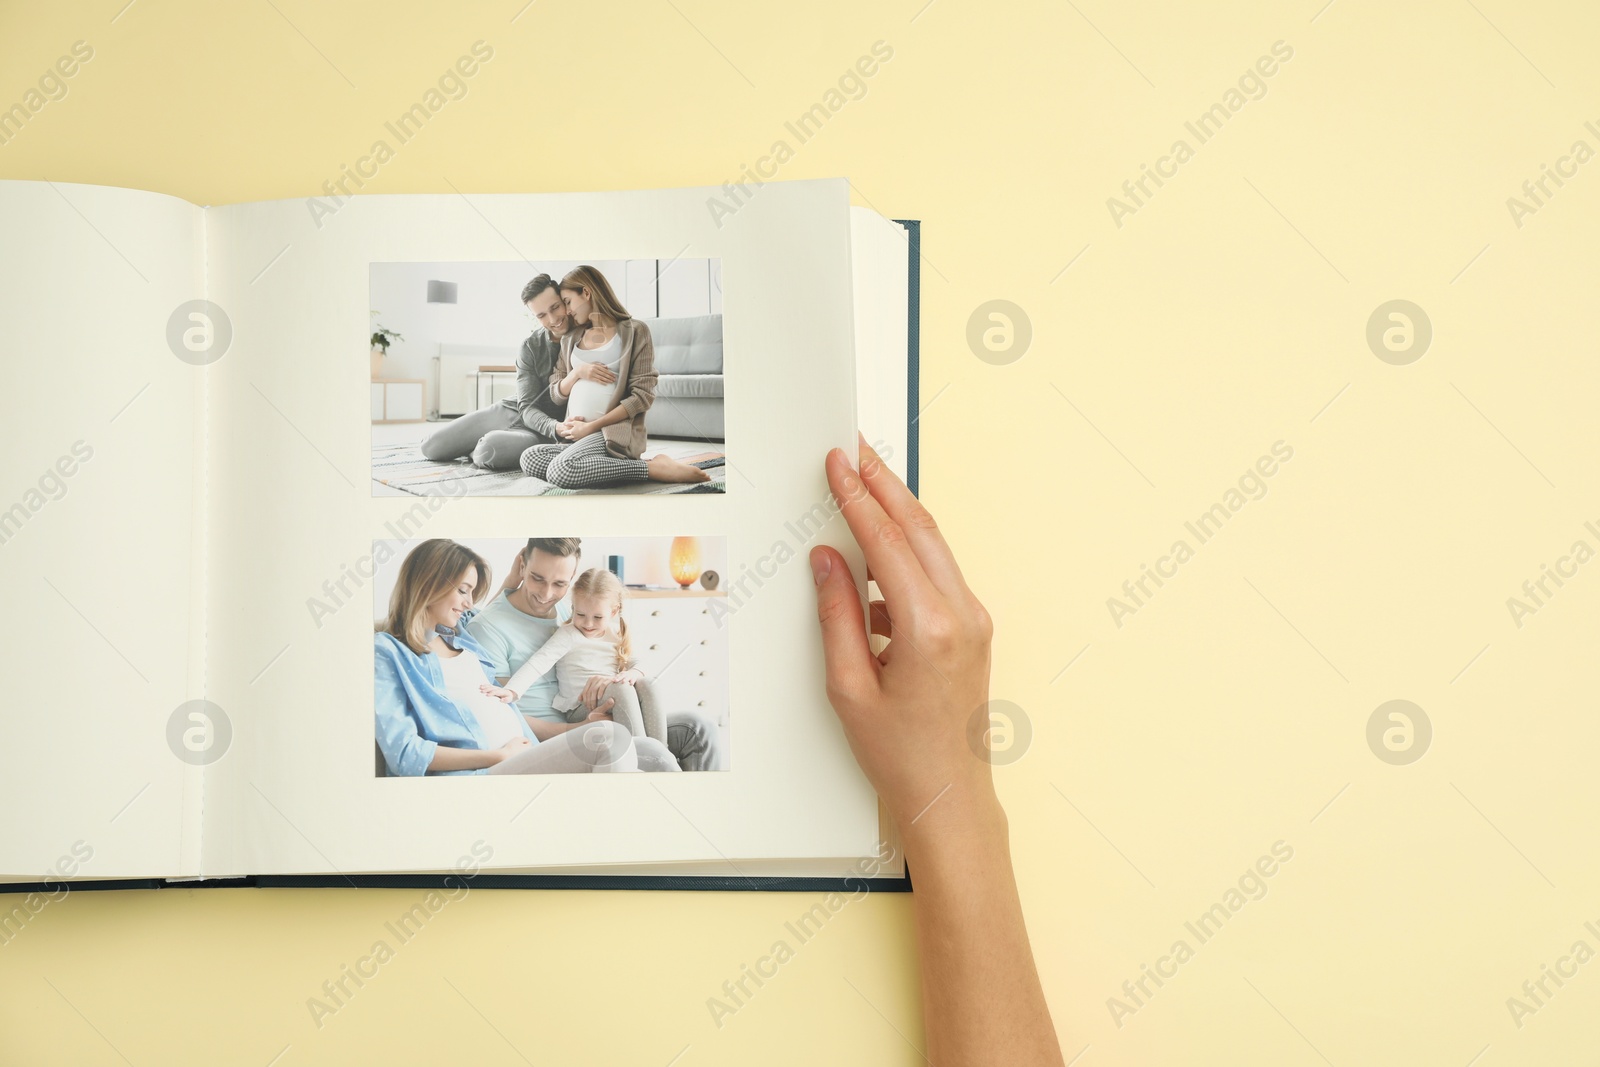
x=403, y=539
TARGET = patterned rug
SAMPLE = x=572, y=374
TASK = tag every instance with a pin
x=405, y=468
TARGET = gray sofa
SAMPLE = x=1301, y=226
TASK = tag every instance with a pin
x=688, y=355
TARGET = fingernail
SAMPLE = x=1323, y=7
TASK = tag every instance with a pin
x=821, y=564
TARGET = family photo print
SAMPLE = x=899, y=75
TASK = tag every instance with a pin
x=552, y=378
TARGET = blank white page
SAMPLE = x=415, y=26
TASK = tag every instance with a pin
x=99, y=561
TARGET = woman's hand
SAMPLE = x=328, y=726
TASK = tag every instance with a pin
x=513, y=577
x=598, y=715
x=510, y=748
x=595, y=372
x=916, y=716
x=575, y=428
x=911, y=713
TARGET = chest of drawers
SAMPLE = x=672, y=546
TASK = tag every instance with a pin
x=680, y=648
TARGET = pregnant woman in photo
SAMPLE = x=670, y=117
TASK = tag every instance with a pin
x=432, y=714
x=606, y=377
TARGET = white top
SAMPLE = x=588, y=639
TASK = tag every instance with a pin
x=591, y=399
x=576, y=658
x=463, y=674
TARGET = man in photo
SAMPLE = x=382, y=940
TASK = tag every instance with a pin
x=523, y=616
x=496, y=436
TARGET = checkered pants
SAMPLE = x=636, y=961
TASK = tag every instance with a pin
x=582, y=464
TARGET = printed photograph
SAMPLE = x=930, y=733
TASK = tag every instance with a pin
x=550, y=655
x=547, y=379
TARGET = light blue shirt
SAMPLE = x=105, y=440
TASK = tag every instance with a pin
x=415, y=715
x=509, y=637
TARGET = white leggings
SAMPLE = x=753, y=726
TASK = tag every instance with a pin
x=596, y=747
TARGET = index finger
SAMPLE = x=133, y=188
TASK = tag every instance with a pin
x=893, y=564
x=916, y=520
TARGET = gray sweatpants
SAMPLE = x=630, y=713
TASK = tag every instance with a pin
x=693, y=737
x=693, y=741
x=495, y=437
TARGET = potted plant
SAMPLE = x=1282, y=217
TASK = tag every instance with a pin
x=382, y=337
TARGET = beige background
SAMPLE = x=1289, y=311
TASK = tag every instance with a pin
x=1229, y=312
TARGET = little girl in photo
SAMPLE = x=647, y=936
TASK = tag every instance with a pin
x=593, y=642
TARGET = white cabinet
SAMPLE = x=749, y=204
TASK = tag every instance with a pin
x=493, y=386
x=398, y=400
x=681, y=649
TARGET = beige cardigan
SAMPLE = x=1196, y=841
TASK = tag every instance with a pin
x=635, y=389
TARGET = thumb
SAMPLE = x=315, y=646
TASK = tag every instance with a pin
x=849, y=660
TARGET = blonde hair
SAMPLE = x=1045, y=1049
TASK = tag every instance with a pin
x=430, y=571
x=599, y=582
x=602, y=298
